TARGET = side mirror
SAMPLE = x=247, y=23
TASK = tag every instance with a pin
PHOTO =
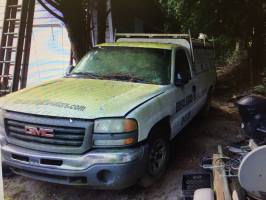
x=69, y=69
x=181, y=81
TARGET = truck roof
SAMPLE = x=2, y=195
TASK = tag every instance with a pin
x=153, y=45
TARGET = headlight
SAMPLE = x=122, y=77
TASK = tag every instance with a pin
x=115, y=126
x=115, y=132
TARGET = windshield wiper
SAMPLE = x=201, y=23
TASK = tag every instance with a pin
x=121, y=77
x=88, y=74
x=124, y=77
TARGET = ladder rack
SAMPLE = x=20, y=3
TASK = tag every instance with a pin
x=162, y=36
x=144, y=35
x=196, y=42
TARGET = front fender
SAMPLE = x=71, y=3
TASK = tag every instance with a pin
x=153, y=111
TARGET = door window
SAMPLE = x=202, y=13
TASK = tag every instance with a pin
x=182, y=65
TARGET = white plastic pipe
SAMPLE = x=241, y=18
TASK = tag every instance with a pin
x=1, y=180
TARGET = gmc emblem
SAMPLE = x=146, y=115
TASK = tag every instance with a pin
x=41, y=132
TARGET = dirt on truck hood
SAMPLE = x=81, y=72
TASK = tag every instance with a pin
x=80, y=98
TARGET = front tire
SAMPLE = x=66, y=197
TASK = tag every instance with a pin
x=158, y=158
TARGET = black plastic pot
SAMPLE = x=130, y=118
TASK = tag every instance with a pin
x=250, y=106
x=252, y=110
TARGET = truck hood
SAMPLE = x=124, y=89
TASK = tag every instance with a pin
x=81, y=98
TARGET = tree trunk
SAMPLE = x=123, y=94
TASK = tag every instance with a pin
x=257, y=40
x=77, y=19
x=102, y=15
x=77, y=22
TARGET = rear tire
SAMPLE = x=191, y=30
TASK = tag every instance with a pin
x=158, y=158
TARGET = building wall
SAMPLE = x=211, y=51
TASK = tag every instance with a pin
x=50, y=48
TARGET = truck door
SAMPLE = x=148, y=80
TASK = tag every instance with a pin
x=183, y=72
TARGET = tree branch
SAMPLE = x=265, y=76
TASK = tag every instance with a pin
x=57, y=1
x=51, y=11
x=56, y=5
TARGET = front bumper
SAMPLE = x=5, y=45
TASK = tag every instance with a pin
x=99, y=169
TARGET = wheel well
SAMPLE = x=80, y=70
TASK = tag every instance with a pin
x=162, y=127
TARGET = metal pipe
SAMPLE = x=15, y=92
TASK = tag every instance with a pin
x=110, y=21
x=191, y=46
x=27, y=45
x=20, y=45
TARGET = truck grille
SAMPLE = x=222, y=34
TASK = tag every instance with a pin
x=48, y=133
x=63, y=136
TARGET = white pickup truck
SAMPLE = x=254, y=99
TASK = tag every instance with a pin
x=108, y=123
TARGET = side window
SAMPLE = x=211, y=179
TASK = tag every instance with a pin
x=203, y=59
x=182, y=65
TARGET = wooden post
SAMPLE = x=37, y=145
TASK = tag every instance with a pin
x=1, y=179
x=220, y=182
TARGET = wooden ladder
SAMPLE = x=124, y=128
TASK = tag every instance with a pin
x=15, y=45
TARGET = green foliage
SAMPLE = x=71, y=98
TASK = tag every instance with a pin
x=171, y=9
x=261, y=89
x=228, y=21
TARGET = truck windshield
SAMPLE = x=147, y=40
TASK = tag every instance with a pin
x=143, y=65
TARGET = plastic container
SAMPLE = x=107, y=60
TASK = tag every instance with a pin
x=250, y=106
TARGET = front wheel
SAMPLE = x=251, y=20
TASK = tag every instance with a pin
x=158, y=158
